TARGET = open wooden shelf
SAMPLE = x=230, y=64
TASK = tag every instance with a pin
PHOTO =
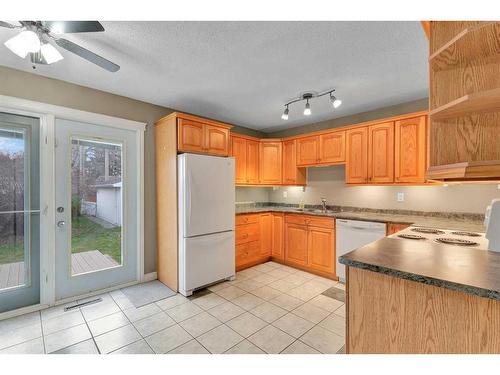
x=472, y=43
x=472, y=170
x=484, y=101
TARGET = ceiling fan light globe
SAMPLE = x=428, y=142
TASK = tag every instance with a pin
x=25, y=42
x=50, y=54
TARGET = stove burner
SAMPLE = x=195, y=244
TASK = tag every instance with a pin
x=469, y=234
x=412, y=237
x=427, y=230
x=456, y=241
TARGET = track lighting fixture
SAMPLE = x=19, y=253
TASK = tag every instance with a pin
x=307, y=110
x=284, y=116
x=335, y=102
x=310, y=95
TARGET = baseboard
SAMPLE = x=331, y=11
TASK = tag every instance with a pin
x=149, y=277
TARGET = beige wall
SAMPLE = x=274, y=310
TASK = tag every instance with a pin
x=34, y=87
x=329, y=182
x=252, y=194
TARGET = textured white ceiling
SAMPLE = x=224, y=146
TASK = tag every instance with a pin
x=243, y=72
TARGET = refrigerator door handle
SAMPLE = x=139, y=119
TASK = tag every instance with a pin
x=188, y=200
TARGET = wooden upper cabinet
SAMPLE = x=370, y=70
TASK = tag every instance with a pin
x=308, y=150
x=278, y=234
x=252, y=162
x=410, y=150
x=191, y=136
x=321, y=249
x=357, y=155
x=332, y=147
x=239, y=152
x=216, y=140
x=292, y=175
x=270, y=162
x=266, y=234
x=199, y=135
x=381, y=153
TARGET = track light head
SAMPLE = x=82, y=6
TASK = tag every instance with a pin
x=284, y=116
x=335, y=102
x=307, y=110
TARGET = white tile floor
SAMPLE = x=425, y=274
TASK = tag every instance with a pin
x=269, y=308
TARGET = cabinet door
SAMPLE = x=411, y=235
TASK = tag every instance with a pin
x=357, y=156
x=277, y=248
x=266, y=234
x=270, y=163
x=308, y=151
x=296, y=244
x=321, y=249
x=332, y=147
x=216, y=140
x=252, y=162
x=381, y=153
x=239, y=151
x=291, y=174
x=410, y=155
x=190, y=136
x=396, y=227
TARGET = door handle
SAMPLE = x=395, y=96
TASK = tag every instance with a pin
x=61, y=223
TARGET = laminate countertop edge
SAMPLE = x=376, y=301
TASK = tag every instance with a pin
x=416, y=220
x=475, y=291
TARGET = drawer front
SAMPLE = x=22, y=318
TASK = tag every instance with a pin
x=317, y=221
x=322, y=222
x=296, y=219
x=247, y=219
x=247, y=233
x=247, y=252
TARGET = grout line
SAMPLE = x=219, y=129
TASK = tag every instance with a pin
x=43, y=335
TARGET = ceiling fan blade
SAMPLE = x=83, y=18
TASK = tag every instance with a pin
x=87, y=55
x=7, y=25
x=66, y=27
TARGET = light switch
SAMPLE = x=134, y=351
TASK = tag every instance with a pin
x=285, y=194
x=401, y=197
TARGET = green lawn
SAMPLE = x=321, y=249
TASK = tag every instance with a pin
x=86, y=234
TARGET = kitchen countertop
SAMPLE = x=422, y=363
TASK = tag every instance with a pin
x=466, y=270
x=433, y=220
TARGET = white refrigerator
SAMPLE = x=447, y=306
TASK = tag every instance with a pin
x=206, y=221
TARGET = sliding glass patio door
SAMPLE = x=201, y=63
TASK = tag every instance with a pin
x=96, y=207
x=19, y=211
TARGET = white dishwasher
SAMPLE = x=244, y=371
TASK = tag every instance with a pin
x=353, y=234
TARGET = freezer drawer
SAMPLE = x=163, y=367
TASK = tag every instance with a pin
x=205, y=260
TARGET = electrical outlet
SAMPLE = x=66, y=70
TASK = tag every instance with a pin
x=401, y=197
x=285, y=194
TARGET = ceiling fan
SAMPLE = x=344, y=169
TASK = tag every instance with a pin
x=35, y=36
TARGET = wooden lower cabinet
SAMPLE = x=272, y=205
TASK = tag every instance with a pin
x=321, y=249
x=278, y=247
x=296, y=244
x=266, y=234
x=310, y=244
x=302, y=241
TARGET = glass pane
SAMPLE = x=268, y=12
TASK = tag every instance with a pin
x=96, y=206
x=13, y=244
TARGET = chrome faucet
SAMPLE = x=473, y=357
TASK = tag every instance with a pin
x=323, y=202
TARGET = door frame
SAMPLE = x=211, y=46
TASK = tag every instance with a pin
x=47, y=113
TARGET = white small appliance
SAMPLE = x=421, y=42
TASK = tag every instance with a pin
x=492, y=223
x=353, y=234
x=206, y=220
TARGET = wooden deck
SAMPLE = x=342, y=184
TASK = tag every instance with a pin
x=12, y=274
